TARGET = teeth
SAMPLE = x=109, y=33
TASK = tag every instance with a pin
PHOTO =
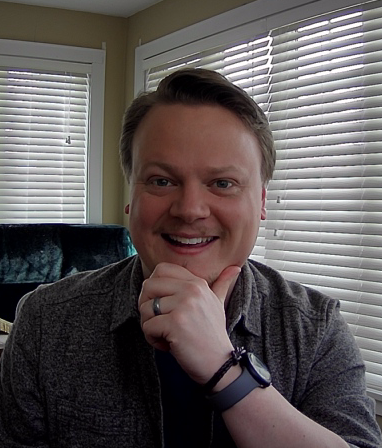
x=190, y=241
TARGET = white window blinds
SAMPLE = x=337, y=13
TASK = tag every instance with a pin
x=319, y=83
x=51, y=132
x=43, y=146
x=324, y=224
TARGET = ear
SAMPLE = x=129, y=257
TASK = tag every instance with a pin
x=127, y=209
x=263, y=200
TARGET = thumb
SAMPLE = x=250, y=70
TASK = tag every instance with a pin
x=225, y=282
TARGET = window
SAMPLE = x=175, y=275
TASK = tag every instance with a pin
x=315, y=71
x=51, y=124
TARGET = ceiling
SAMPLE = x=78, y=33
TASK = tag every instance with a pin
x=119, y=8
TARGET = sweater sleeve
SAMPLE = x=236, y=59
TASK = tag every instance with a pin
x=22, y=419
x=336, y=392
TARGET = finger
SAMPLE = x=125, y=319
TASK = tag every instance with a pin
x=161, y=282
x=154, y=333
x=156, y=306
x=147, y=309
x=166, y=305
x=170, y=270
x=165, y=280
x=225, y=282
x=158, y=287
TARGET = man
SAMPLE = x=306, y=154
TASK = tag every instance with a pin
x=168, y=348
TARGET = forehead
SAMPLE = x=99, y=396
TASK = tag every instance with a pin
x=210, y=131
x=168, y=116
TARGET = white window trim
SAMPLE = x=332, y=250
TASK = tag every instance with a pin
x=95, y=58
x=268, y=14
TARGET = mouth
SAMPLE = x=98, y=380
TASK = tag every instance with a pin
x=188, y=242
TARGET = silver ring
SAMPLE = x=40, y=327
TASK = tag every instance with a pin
x=156, y=306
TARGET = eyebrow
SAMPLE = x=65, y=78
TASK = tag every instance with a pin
x=173, y=169
x=165, y=166
x=224, y=169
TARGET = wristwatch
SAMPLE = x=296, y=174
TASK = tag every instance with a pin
x=254, y=374
x=258, y=370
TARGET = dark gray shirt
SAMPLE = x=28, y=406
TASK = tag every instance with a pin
x=77, y=371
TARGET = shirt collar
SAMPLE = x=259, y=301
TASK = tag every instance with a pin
x=246, y=302
x=128, y=284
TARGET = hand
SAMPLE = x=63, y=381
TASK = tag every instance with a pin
x=192, y=325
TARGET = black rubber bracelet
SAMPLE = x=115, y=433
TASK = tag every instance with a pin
x=236, y=355
x=234, y=392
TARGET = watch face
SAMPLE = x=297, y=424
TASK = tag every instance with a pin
x=258, y=370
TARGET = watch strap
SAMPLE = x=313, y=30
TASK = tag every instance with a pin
x=234, y=359
x=234, y=392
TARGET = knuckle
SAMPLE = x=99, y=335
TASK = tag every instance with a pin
x=179, y=319
x=197, y=288
x=160, y=270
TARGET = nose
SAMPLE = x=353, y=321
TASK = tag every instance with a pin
x=190, y=203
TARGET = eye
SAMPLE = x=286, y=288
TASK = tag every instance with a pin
x=223, y=183
x=161, y=182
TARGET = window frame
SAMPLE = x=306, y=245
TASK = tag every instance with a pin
x=95, y=59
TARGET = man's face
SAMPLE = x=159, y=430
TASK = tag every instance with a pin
x=196, y=191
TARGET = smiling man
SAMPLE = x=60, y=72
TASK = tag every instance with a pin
x=194, y=201
x=189, y=343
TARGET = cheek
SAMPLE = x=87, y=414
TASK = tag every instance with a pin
x=245, y=221
x=145, y=212
x=138, y=219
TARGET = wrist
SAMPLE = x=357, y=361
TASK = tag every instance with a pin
x=233, y=360
x=233, y=373
x=254, y=374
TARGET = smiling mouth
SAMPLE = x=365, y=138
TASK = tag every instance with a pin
x=189, y=242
